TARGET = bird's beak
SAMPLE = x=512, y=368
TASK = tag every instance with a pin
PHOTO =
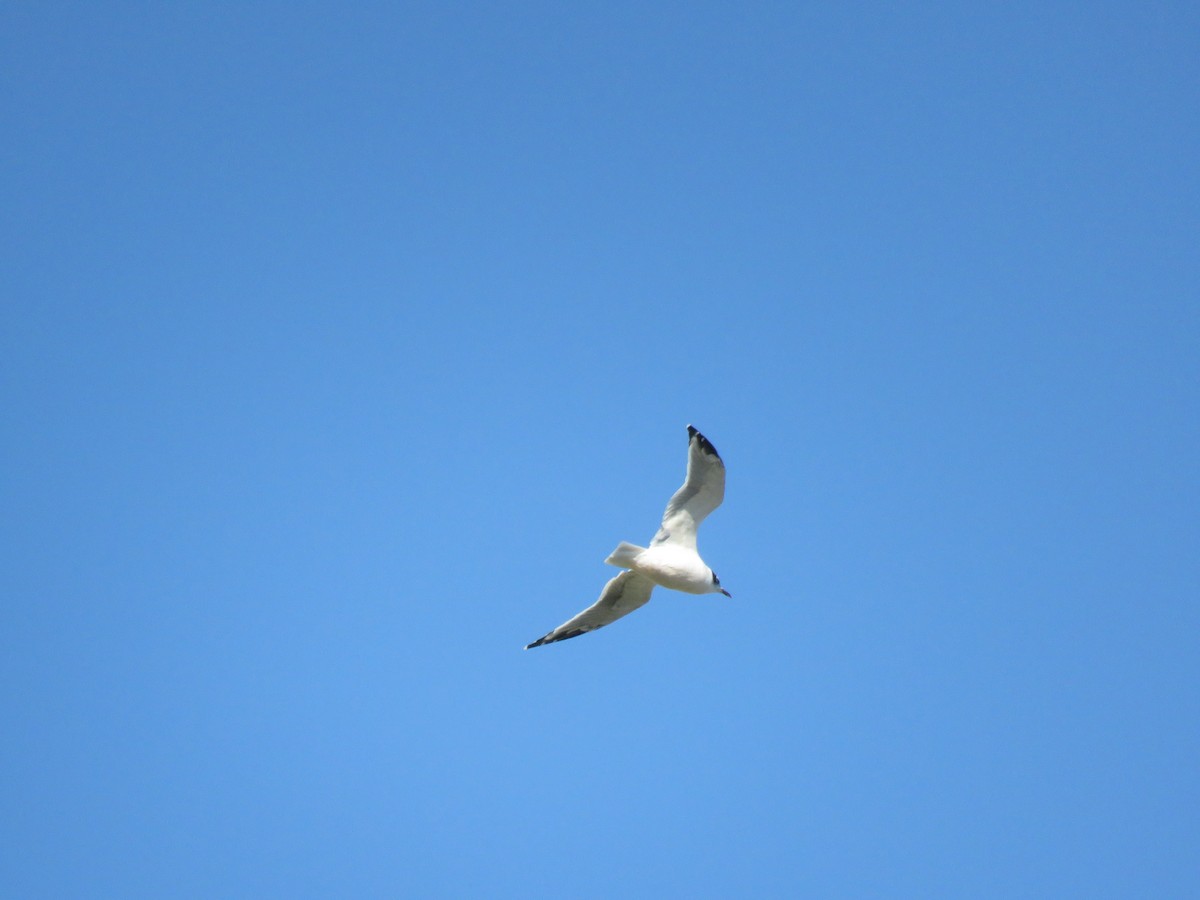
x=726, y=593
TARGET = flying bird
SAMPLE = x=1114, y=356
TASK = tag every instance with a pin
x=671, y=560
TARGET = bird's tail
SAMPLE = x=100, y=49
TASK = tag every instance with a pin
x=625, y=554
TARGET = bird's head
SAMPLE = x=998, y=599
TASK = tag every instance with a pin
x=715, y=587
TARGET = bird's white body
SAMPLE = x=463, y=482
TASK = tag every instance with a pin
x=671, y=560
x=672, y=566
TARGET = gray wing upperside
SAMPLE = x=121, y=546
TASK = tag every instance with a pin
x=702, y=491
x=621, y=596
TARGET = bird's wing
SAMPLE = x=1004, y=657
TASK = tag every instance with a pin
x=621, y=596
x=702, y=492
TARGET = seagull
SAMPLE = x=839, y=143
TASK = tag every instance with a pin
x=671, y=560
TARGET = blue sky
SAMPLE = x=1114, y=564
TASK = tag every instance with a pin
x=339, y=346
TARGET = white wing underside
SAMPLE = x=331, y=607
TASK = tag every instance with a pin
x=621, y=596
x=701, y=493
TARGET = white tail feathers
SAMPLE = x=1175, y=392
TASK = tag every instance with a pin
x=625, y=554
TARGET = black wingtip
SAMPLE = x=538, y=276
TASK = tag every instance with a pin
x=705, y=443
x=565, y=636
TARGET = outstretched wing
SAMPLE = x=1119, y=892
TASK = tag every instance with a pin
x=702, y=492
x=621, y=596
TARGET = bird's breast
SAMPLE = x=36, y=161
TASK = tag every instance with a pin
x=676, y=568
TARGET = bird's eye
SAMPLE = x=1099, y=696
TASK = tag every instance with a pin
x=716, y=580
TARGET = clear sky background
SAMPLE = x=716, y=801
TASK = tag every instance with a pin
x=340, y=343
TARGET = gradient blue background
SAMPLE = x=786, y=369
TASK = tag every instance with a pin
x=340, y=344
